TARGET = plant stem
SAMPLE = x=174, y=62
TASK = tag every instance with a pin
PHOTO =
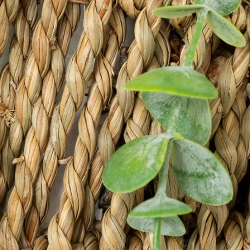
x=162, y=184
x=189, y=57
x=157, y=234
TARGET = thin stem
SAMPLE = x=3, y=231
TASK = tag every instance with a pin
x=162, y=184
x=196, y=36
x=157, y=234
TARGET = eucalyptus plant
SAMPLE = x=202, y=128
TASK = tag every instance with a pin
x=177, y=97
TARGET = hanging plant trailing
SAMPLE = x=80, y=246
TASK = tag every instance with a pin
x=177, y=97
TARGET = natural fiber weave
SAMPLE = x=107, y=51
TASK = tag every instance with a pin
x=34, y=123
x=30, y=82
x=51, y=85
x=9, y=80
x=230, y=148
x=76, y=190
x=8, y=13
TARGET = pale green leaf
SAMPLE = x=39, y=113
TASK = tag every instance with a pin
x=200, y=174
x=135, y=164
x=194, y=120
x=171, y=226
x=176, y=80
x=225, y=30
x=160, y=206
x=224, y=7
x=176, y=11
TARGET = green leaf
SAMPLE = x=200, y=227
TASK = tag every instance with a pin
x=176, y=11
x=135, y=164
x=171, y=226
x=225, y=30
x=200, y=174
x=194, y=120
x=224, y=7
x=176, y=80
x=160, y=206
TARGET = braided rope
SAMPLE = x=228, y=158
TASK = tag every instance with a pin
x=30, y=87
x=90, y=242
x=80, y=201
x=122, y=103
x=9, y=79
x=78, y=73
x=132, y=7
x=8, y=12
x=181, y=24
x=138, y=125
x=51, y=85
x=135, y=240
x=230, y=148
x=115, y=217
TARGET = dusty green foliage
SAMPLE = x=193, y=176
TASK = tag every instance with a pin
x=177, y=97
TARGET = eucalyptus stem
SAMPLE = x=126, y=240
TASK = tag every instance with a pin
x=189, y=57
x=157, y=234
x=162, y=184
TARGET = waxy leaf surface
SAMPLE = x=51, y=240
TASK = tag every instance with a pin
x=135, y=164
x=225, y=30
x=176, y=80
x=194, y=119
x=176, y=11
x=224, y=7
x=160, y=206
x=171, y=226
x=200, y=174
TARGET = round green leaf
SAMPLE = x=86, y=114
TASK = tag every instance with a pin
x=176, y=80
x=160, y=206
x=224, y=7
x=171, y=226
x=200, y=174
x=225, y=30
x=176, y=11
x=135, y=164
x=194, y=120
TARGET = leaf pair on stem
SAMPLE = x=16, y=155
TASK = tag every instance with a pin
x=177, y=97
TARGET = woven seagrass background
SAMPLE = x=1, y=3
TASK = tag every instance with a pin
x=64, y=112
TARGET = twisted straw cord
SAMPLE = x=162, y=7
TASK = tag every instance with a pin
x=132, y=7
x=141, y=241
x=114, y=220
x=78, y=73
x=83, y=60
x=77, y=169
x=123, y=102
x=9, y=79
x=51, y=85
x=234, y=233
x=7, y=96
x=90, y=242
x=26, y=171
x=8, y=12
x=174, y=243
x=86, y=219
x=201, y=63
x=135, y=240
x=72, y=98
x=230, y=147
x=182, y=23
